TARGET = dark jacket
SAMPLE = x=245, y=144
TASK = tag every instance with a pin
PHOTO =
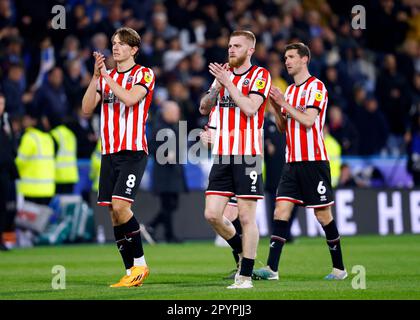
x=373, y=130
x=85, y=135
x=8, y=149
x=13, y=93
x=169, y=176
x=347, y=136
x=52, y=102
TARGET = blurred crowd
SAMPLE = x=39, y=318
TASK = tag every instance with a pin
x=372, y=75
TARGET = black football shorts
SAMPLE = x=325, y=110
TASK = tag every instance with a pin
x=306, y=183
x=120, y=176
x=239, y=176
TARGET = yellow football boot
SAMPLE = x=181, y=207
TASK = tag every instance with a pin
x=124, y=281
x=138, y=275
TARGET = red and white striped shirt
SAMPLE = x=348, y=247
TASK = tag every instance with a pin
x=211, y=124
x=306, y=144
x=236, y=133
x=123, y=127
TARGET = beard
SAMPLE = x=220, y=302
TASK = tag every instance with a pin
x=290, y=72
x=236, y=62
x=294, y=71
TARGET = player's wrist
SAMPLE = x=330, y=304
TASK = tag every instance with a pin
x=218, y=86
x=284, y=105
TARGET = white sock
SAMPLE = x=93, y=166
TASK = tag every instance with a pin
x=139, y=262
x=128, y=272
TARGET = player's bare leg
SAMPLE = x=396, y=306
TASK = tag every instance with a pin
x=283, y=210
x=323, y=215
x=325, y=218
x=120, y=212
x=250, y=237
x=215, y=205
x=231, y=214
x=127, y=234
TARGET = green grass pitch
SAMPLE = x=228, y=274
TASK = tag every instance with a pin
x=194, y=270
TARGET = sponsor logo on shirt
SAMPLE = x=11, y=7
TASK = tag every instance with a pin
x=147, y=77
x=109, y=97
x=318, y=96
x=227, y=102
x=260, y=83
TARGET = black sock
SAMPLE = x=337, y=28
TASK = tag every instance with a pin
x=333, y=241
x=236, y=243
x=236, y=257
x=246, y=267
x=237, y=224
x=132, y=235
x=277, y=241
x=123, y=247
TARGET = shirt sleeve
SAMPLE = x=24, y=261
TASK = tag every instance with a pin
x=212, y=119
x=146, y=78
x=212, y=85
x=99, y=86
x=261, y=83
x=318, y=96
x=286, y=95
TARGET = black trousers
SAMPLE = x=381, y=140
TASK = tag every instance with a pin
x=168, y=204
x=64, y=188
x=4, y=195
x=44, y=201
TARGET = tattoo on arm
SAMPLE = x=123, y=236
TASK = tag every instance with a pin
x=209, y=100
x=212, y=96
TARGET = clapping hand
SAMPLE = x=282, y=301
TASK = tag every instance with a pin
x=277, y=96
x=220, y=72
x=99, y=68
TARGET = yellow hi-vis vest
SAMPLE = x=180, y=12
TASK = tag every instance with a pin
x=36, y=164
x=95, y=166
x=334, y=153
x=66, y=158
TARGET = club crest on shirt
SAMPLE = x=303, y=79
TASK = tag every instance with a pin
x=246, y=83
x=303, y=94
x=301, y=108
x=260, y=83
x=147, y=77
x=129, y=79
